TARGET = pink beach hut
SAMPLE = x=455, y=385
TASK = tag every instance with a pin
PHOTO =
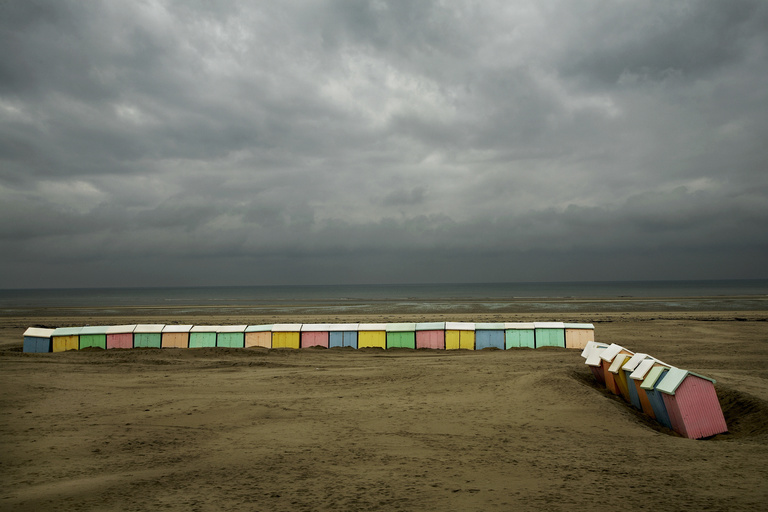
x=148, y=336
x=315, y=335
x=120, y=336
x=258, y=336
x=176, y=336
x=231, y=336
x=692, y=404
x=577, y=335
x=430, y=335
x=37, y=340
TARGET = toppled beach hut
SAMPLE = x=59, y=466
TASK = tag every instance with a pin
x=401, y=335
x=37, y=340
x=459, y=335
x=519, y=335
x=430, y=335
x=549, y=334
x=203, y=336
x=490, y=335
x=314, y=335
x=619, y=377
x=342, y=335
x=258, y=336
x=652, y=379
x=692, y=404
x=176, y=336
x=120, y=336
x=93, y=336
x=577, y=335
x=607, y=357
x=231, y=336
x=372, y=336
x=637, y=377
x=148, y=336
x=286, y=336
x=65, y=338
x=627, y=368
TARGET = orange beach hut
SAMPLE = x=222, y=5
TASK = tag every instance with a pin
x=258, y=336
x=592, y=354
x=637, y=377
x=627, y=368
x=176, y=336
x=577, y=335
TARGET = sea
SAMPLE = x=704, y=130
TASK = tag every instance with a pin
x=704, y=295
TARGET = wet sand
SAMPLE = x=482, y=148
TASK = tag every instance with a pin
x=340, y=429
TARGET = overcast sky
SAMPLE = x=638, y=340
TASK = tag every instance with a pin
x=348, y=141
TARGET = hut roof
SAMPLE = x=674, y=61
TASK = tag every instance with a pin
x=121, y=329
x=618, y=362
x=94, y=329
x=401, y=327
x=66, y=331
x=459, y=326
x=286, y=328
x=259, y=328
x=653, y=375
x=371, y=327
x=549, y=325
x=675, y=377
x=612, y=351
x=205, y=328
x=642, y=369
x=39, y=332
x=315, y=327
x=177, y=328
x=430, y=326
x=148, y=328
x=519, y=325
x=496, y=326
x=594, y=358
x=590, y=347
x=232, y=328
x=342, y=327
x=634, y=361
x=579, y=326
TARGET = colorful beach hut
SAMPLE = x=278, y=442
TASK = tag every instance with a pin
x=65, y=338
x=120, y=336
x=607, y=357
x=314, y=335
x=93, y=336
x=37, y=340
x=619, y=377
x=652, y=379
x=342, y=335
x=577, y=335
x=692, y=404
x=401, y=335
x=592, y=353
x=372, y=336
x=627, y=368
x=148, y=336
x=176, y=336
x=549, y=334
x=637, y=377
x=490, y=335
x=519, y=335
x=430, y=335
x=459, y=335
x=258, y=336
x=203, y=336
x=231, y=336
x=286, y=336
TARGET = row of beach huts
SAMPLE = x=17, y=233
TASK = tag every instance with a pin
x=681, y=400
x=431, y=335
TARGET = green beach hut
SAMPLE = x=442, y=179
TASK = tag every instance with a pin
x=148, y=336
x=93, y=336
x=519, y=335
x=549, y=334
x=401, y=335
x=232, y=336
x=203, y=336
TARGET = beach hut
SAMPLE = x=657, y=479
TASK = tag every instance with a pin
x=286, y=336
x=607, y=357
x=372, y=336
x=342, y=335
x=654, y=376
x=65, y=338
x=490, y=335
x=93, y=336
x=401, y=335
x=258, y=336
x=201, y=336
x=692, y=404
x=627, y=368
x=619, y=377
x=593, y=360
x=176, y=336
x=637, y=377
x=459, y=335
x=314, y=335
x=232, y=336
x=120, y=336
x=430, y=335
x=148, y=336
x=519, y=335
x=37, y=340
x=549, y=334
x=577, y=335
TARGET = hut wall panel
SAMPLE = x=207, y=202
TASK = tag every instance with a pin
x=258, y=339
x=350, y=339
x=621, y=379
x=520, y=338
x=372, y=339
x=230, y=339
x=335, y=339
x=93, y=341
x=550, y=338
x=698, y=408
x=634, y=398
x=455, y=340
x=121, y=340
x=673, y=413
x=645, y=404
x=597, y=371
x=610, y=382
x=202, y=339
x=657, y=403
x=489, y=339
x=62, y=343
x=314, y=339
x=38, y=345
x=147, y=340
x=404, y=339
x=578, y=338
x=286, y=340
x=175, y=340
x=430, y=339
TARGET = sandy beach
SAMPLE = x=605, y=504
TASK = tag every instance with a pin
x=343, y=429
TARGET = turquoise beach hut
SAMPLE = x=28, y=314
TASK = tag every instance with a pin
x=342, y=335
x=37, y=340
x=231, y=336
x=549, y=334
x=490, y=335
x=203, y=336
x=93, y=336
x=148, y=336
x=519, y=335
x=401, y=335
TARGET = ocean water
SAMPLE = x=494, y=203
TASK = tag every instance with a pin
x=418, y=298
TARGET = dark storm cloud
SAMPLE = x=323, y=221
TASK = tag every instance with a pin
x=192, y=143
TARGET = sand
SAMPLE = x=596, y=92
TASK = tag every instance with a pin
x=339, y=429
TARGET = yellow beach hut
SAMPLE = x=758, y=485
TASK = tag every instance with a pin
x=372, y=336
x=459, y=335
x=286, y=336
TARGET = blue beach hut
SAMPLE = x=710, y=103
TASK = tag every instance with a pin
x=490, y=335
x=654, y=378
x=342, y=335
x=628, y=367
x=37, y=340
